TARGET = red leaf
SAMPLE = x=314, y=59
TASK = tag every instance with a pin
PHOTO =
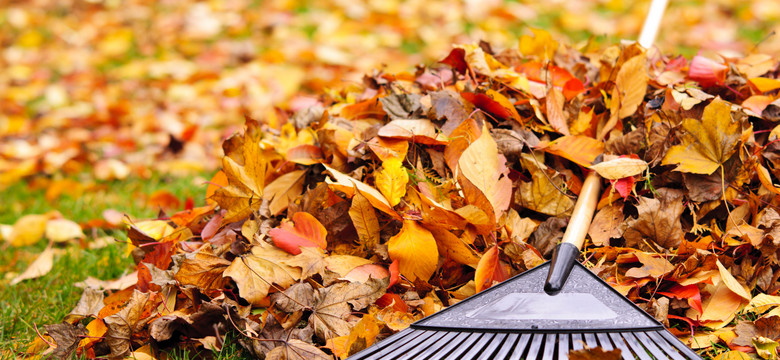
x=394, y=300
x=624, y=186
x=394, y=273
x=689, y=292
x=707, y=72
x=486, y=104
x=456, y=59
x=304, y=230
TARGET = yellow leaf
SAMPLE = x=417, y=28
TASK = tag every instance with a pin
x=543, y=193
x=254, y=273
x=763, y=302
x=629, y=91
x=282, y=190
x=631, y=85
x=365, y=221
x=482, y=166
x=347, y=185
x=391, y=180
x=708, y=143
x=246, y=166
x=415, y=249
x=541, y=44
x=28, y=230
x=731, y=282
x=62, y=230
x=733, y=355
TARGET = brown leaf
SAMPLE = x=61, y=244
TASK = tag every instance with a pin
x=652, y=266
x=658, y=221
x=596, y=353
x=265, y=265
x=609, y=223
x=126, y=322
x=66, y=337
x=89, y=304
x=548, y=235
x=446, y=104
x=331, y=305
x=297, y=350
x=202, y=270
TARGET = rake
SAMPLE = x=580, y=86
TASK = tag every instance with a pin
x=521, y=319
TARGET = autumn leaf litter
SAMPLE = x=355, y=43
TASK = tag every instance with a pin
x=395, y=200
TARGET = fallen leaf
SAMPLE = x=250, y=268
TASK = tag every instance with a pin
x=347, y=185
x=40, y=267
x=629, y=91
x=62, y=230
x=619, y=168
x=596, y=353
x=708, y=143
x=415, y=249
x=365, y=221
x=608, y=223
x=27, y=230
x=391, y=180
x=657, y=221
x=256, y=272
x=485, y=168
x=202, y=270
x=652, y=266
x=297, y=350
x=303, y=231
x=489, y=270
x=732, y=283
x=283, y=190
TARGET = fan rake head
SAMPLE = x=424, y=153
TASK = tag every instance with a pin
x=517, y=320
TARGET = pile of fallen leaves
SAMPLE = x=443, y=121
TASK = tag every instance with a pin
x=399, y=198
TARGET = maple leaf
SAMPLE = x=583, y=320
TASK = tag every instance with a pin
x=303, y=231
x=540, y=45
x=202, y=270
x=706, y=144
x=415, y=249
x=297, y=350
x=66, y=337
x=658, y=221
x=391, y=180
x=543, y=193
x=256, y=272
x=247, y=171
x=129, y=320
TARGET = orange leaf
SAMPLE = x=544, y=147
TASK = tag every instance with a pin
x=415, y=250
x=489, y=270
x=690, y=293
x=371, y=108
x=577, y=148
x=217, y=181
x=304, y=230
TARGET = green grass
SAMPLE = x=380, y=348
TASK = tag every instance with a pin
x=48, y=299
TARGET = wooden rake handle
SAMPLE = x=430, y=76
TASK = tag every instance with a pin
x=568, y=250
